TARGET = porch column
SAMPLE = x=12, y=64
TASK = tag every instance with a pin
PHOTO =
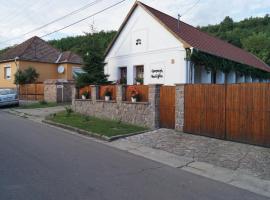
x=231, y=77
x=154, y=101
x=240, y=79
x=220, y=79
x=179, y=107
x=248, y=79
x=205, y=75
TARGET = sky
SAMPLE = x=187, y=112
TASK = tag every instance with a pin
x=18, y=17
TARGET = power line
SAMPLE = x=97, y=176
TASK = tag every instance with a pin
x=89, y=16
x=56, y=20
x=189, y=9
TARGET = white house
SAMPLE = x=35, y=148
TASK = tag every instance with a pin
x=153, y=47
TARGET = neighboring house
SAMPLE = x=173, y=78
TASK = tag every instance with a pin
x=153, y=46
x=48, y=61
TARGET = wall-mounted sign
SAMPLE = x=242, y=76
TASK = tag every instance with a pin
x=157, y=73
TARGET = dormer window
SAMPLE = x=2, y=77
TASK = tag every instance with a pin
x=138, y=42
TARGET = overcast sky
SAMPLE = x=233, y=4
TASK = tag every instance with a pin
x=20, y=16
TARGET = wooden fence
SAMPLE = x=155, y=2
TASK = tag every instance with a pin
x=237, y=112
x=141, y=89
x=32, y=92
x=110, y=88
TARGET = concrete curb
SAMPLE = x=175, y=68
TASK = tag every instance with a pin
x=90, y=134
x=234, y=178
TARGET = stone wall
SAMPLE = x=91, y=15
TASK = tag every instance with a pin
x=141, y=113
x=145, y=114
x=134, y=113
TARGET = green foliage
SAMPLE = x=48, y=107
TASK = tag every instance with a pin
x=93, y=56
x=27, y=76
x=43, y=102
x=214, y=63
x=259, y=45
x=252, y=34
x=68, y=111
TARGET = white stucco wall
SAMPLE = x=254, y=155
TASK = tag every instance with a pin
x=160, y=50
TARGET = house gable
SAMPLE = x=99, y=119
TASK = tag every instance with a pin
x=140, y=34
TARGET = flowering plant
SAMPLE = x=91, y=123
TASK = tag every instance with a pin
x=108, y=92
x=135, y=94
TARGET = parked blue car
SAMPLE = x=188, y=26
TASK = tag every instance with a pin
x=8, y=97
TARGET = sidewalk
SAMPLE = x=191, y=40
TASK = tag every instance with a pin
x=37, y=114
x=241, y=165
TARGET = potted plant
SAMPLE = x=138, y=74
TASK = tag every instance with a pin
x=139, y=81
x=135, y=96
x=107, y=95
x=85, y=95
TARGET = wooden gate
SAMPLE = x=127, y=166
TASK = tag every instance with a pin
x=236, y=112
x=167, y=107
x=205, y=110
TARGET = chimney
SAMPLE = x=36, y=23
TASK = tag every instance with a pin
x=178, y=24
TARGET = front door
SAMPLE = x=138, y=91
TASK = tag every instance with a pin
x=123, y=75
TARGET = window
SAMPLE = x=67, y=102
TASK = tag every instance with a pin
x=139, y=74
x=7, y=73
x=138, y=42
x=123, y=75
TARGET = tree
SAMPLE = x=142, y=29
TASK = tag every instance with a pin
x=258, y=44
x=226, y=24
x=93, y=63
x=27, y=76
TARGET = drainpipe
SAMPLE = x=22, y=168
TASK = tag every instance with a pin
x=17, y=68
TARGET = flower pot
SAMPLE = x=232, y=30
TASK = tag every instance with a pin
x=83, y=97
x=138, y=83
x=133, y=100
x=107, y=98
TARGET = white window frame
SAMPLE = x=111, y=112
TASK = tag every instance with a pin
x=6, y=72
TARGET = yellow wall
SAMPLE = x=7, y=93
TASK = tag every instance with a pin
x=45, y=70
x=7, y=83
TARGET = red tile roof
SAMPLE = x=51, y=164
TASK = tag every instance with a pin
x=36, y=49
x=200, y=40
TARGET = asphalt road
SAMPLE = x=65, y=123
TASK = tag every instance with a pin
x=38, y=162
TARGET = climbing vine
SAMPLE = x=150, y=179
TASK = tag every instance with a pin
x=214, y=63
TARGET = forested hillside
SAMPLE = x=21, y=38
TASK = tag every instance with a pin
x=77, y=44
x=252, y=34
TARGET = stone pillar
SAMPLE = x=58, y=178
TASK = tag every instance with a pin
x=94, y=93
x=179, y=107
x=154, y=101
x=120, y=91
x=50, y=91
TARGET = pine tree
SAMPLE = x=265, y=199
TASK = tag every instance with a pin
x=93, y=63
